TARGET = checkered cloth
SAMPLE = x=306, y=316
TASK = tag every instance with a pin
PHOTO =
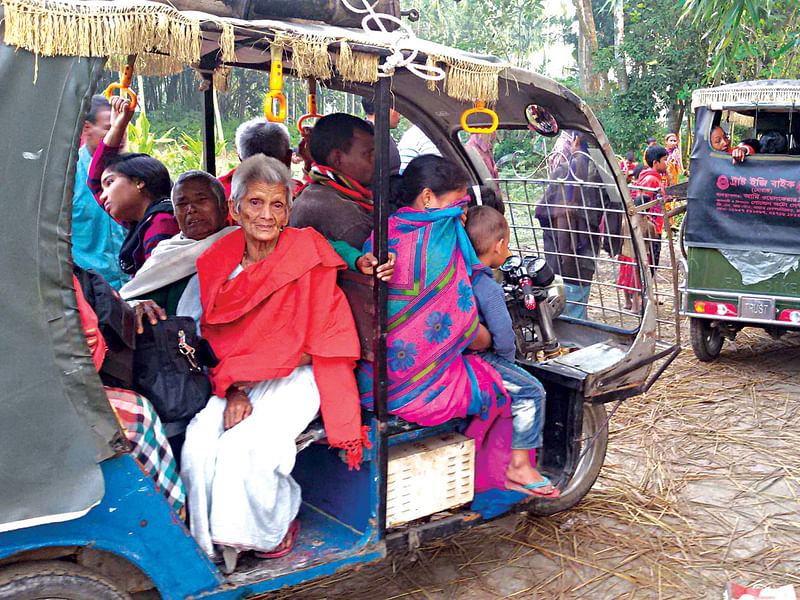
x=151, y=449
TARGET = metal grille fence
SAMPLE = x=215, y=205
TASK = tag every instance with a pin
x=575, y=218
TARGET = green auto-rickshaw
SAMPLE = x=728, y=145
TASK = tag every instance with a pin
x=740, y=235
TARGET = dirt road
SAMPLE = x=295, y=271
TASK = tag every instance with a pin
x=700, y=486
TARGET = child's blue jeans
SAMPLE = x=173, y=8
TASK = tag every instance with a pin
x=527, y=401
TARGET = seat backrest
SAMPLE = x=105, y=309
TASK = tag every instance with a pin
x=358, y=289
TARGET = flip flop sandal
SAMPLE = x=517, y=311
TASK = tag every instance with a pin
x=287, y=542
x=531, y=488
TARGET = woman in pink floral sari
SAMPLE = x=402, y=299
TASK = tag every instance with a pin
x=433, y=320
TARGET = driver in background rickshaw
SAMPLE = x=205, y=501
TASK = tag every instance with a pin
x=719, y=141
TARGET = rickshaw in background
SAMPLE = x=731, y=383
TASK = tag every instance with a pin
x=739, y=236
x=78, y=519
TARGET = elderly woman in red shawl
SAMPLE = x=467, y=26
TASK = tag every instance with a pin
x=283, y=331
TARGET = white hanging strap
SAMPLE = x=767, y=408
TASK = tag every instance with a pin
x=476, y=191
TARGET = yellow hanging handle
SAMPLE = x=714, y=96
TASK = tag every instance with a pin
x=479, y=108
x=275, y=101
x=312, y=105
x=124, y=84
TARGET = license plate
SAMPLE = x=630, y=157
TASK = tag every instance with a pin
x=757, y=308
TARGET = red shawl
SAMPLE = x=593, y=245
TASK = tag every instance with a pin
x=262, y=321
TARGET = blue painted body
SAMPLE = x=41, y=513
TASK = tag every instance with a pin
x=135, y=522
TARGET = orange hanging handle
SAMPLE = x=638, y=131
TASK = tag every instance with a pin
x=275, y=101
x=312, y=105
x=124, y=84
x=479, y=109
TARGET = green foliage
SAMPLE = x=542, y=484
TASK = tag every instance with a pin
x=140, y=139
x=510, y=29
x=178, y=156
x=749, y=39
x=629, y=119
x=665, y=64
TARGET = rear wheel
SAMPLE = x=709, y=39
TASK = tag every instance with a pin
x=56, y=580
x=706, y=339
x=588, y=469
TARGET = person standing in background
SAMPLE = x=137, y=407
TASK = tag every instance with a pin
x=481, y=146
x=652, y=178
x=651, y=141
x=96, y=237
x=674, y=159
x=394, y=120
x=412, y=144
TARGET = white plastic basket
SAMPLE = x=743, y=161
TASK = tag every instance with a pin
x=429, y=475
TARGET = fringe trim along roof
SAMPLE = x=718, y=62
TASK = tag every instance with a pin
x=165, y=40
x=112, y=29
x=721, y=97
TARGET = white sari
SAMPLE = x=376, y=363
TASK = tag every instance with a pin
x=238, y=482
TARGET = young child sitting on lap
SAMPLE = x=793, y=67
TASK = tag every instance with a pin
x=488, y=231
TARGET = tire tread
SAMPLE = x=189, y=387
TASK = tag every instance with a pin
x=43, y=579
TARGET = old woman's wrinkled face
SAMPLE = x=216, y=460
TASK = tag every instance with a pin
x=197, y=211
x=263, y=212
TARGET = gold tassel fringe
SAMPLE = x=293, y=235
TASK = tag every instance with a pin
x=147, y=64
x=309, y=54
x=470, y=82
x=226, y=43
x=221, y=78
x=165, y=40
x=431, y=62
x=357, y=66
x=98, y=29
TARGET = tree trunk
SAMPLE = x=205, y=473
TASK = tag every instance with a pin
x=675, y=117
x=619, y=39
x=591, y=81
x=242, y=95
x=142, y=100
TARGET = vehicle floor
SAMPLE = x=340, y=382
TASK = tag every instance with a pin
x=701, y=486
x=321, y=539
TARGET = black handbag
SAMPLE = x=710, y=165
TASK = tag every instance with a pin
x=168, y=368
x=117, y=323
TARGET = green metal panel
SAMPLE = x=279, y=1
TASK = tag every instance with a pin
x=709, y=270
x=55, y=421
